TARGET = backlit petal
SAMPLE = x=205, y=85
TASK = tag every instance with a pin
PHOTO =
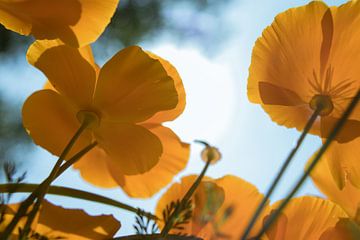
x=55, y=221
x=75, y=22
x=51, y=121
x=308, y=218
x=173, y=159
x=133, y=86
x=94, y=169
x=132, y=147
x=68, y=69
x=348, y=196
x=173, y=113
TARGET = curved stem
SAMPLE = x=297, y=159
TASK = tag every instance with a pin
x=43, y=186
x=184, y=200
x=74, y=193
x=278, y=177
x=316, y=159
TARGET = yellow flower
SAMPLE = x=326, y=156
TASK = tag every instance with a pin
x=55, y=222
x=128, y=99
x=75, y=22
x=308, y=56
x=305, y=218
x=221, y=208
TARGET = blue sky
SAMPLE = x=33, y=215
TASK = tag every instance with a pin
x=218, y=111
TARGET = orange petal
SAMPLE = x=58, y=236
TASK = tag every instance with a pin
x=288, y=52
x=292, y=116
x=350, y=130
x=274, y=95
x=331, y=176
x=51, y=121
x=55, y=221
x=174, y=158
x=133, y=86
x=309, y=217
x=235, y=213
x=132, y=147
x=94, y=169
x=67, y=69
x=75, y=22
x=345, y=229
x=173, y=113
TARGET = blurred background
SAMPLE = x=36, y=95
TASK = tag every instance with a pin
x=210, y=44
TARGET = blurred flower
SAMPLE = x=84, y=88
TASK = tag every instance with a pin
x=75, y=22
x=221, y=208
x=306, y=58
x=305, y=218
x=128, y=99
x=55, y=222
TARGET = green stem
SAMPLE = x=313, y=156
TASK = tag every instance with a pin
x=316, y=159
x=276, y=181
x=22, y=211
x=74, y=193
x=184, y=200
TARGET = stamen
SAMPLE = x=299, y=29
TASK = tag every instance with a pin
x=322, y=102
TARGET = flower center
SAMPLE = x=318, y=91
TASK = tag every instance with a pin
x=92, y=118
x=322, y=102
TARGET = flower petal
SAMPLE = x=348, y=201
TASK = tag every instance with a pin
x=172, y=114
x=345, y=229
x=333, y=177
x=288, y=52
x=316, y=215
x=292, y=116
x=75, y=22
x=173, y=159
x=349, y=131
x=66, y=68
x=94, y=169
x=132, y=147
x=133, y=86
x=51, y=121
x=55, y=221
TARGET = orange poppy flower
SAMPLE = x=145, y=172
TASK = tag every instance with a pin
x=306, y=57
x=305, y=218
x=221, y=208
x=55, y=222
x=128, y=99
x=75, y=22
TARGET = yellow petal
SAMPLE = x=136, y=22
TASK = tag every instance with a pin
x=288, y=52
x=308, y=218
x=132, y=147
x=236, y=212
x=174, y=158
x=345, y=229
x=349, y=196
x=66, y=68
x=51, y=121
x=133, y=86
x=55, y=221
x=75, y=22
x=94, y=168
x=169, y=115
x=292, y=116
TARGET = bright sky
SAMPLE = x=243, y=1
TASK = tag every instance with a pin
x=217, y=111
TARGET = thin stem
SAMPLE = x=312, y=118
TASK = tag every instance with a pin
x=74, y=193
x=184, y=200
x=316, y=159
x=43, y=186
x=284, y=167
